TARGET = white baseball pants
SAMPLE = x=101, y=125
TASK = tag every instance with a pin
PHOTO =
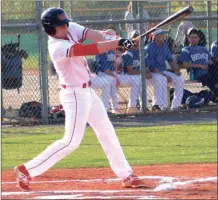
x=113, y=94
x=134, y=81
x=178, y=85
x=105, y=84
x=159, y=83
x=82, y=105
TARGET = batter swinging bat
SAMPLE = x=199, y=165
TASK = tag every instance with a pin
x=173, y=18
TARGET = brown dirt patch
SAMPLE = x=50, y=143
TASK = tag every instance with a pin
x=70, y=184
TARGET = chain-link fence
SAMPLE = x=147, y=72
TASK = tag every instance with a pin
x=29, y=84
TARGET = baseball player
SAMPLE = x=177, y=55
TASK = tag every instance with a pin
x=131, y=65
x=214, y=67
x=106, y=69
x=105, y=85
x=81, y=104
x=107, y=61
x=100, y=83
x=214, y=51
x=157, y=52
x=195, y=58
x=131, y=61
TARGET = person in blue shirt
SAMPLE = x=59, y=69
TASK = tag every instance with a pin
x=197, y=60
x=105, y=67
x=213, y=71
x=131, y=64
x=108, y=67
x=156, y=53
x=214, y=51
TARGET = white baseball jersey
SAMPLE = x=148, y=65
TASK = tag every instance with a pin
x=72, y=71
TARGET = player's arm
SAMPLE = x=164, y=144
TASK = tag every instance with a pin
x=95, y=35
x=110, y=73
x=98, y=36
x=175, y=67
x=156, y=70
x=131, y=71
x=148, y=73
x=187, y=65
x=97, y=48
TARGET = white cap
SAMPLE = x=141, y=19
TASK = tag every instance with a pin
x=159, y=31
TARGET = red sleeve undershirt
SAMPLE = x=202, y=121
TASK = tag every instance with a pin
x=85, y=49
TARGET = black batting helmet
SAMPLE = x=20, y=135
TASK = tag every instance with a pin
x=53, y=17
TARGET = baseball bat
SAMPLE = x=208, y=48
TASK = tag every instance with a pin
x=169, y=20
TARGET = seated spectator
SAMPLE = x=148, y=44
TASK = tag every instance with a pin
x=103, y=83
x=197, y=59
x=213, y=69
x=131, y=61
x=157, y=52
x=214, y=51
x=201, y=35
x=106, y=69
x=131, y=69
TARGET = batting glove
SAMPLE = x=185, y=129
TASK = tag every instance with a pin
x=127, y=44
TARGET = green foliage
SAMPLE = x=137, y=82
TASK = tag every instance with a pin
x=146, y=145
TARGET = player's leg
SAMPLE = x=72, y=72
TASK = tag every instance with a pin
x=114, y=94
x=76, y=104
x=107, y=137
x=178, y=85
x=134, y=82
x=101, y=82
x=159, y=83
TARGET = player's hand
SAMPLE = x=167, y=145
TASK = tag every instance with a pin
x=178, y=73
x=127, y=44
x=169, y=80
x=148, y=75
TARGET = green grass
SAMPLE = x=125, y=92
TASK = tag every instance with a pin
x=146, y=145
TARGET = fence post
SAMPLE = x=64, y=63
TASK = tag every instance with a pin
x=169, y=7
x=43, y=63
x=71, y=9
x=134, y=12
x=61, y=4
x=209, y=27
x=142, y=59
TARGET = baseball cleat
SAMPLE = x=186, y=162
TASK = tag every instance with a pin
x=156, y=108
x=133, y=182
x=22, y=178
